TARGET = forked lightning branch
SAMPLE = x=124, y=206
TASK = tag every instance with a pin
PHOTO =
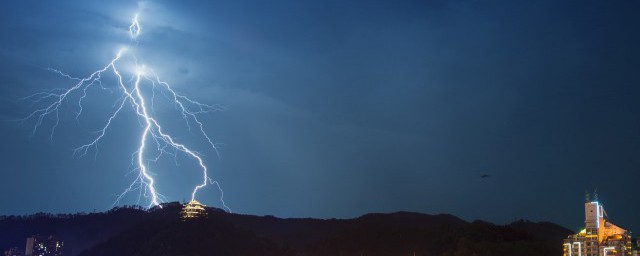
x=154, y=141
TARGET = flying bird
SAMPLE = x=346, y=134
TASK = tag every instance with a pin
x=484, y=176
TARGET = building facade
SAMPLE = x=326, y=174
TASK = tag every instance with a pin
x=599, y=237
x=43, y=246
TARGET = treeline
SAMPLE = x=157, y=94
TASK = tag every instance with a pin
x=44, y=215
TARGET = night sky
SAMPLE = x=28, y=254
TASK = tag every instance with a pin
x=341, y=108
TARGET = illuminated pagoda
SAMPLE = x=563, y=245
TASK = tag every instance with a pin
x=599, y=237
x=193, y=209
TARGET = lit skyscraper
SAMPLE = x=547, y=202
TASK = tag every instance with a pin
x=599, y=237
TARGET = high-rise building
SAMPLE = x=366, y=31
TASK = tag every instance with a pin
x=43, y=246
x=193, y=209
x=599, y=237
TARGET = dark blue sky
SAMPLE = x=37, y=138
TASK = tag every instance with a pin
x=340, y=108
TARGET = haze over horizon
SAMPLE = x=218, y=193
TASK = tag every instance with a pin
x=337, y=109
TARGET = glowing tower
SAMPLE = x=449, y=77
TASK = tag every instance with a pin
x=599, y=237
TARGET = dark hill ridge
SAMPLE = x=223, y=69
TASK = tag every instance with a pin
x=133, y=231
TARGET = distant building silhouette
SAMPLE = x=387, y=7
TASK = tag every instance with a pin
x=599, y=237
x=193, y=209
x=15, y=251
x=43, y=246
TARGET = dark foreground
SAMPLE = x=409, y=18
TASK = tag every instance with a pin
x=131, y=231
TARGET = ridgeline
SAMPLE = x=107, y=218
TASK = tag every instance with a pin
x=134, y=231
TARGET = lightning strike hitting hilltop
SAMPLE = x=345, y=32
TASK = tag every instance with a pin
x=132, y=94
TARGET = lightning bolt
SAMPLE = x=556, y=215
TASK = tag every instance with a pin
x=132, y=95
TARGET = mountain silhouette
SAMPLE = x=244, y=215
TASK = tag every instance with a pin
x=159, y=231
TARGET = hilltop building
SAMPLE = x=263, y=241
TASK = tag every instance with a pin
x=193, y=209
x=43, y=246
x=599, y=237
